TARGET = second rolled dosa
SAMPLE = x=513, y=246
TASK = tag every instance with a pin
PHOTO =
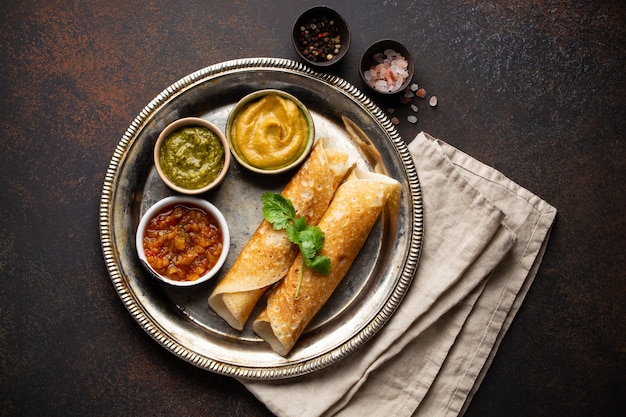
x=266, y=258
x=346, y=224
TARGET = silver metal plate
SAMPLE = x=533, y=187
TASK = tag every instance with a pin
x=179, y=318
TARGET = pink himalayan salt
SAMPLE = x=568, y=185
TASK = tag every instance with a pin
x=389, y=73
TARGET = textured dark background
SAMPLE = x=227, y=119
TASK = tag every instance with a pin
x=536, y=89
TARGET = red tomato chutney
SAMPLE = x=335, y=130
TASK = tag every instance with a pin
x=182, y=242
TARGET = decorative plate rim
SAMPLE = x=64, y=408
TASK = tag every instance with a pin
x=154, y=329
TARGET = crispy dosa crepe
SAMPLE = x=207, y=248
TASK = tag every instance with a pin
x=346, y=224
x=267, y=256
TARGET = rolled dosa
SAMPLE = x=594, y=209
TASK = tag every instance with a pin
x=267, y=256
x=346, y=224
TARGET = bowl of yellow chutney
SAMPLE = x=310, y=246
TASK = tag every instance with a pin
x=270, y=131
x=191, y=155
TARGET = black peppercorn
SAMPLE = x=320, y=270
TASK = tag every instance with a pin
x=319, y=39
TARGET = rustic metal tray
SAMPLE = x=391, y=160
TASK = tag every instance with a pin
x=179, y=318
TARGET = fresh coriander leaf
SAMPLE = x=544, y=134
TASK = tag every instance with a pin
x=280, y=212
x=307, y=248
x=311, y=240
x=277, y=210
x=293, y=234
x=320, y=264
x=300, y=224
x=315, y=235
x=293, y=231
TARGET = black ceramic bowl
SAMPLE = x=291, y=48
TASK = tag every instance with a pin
x=316, y=34
x=371, y=57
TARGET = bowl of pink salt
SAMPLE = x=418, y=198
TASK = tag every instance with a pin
x=387, y=67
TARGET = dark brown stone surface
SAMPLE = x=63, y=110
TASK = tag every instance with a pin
x=536, y=89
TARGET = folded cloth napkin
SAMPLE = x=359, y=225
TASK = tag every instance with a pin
x=484, y=238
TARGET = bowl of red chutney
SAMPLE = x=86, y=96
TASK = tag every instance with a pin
x=183, y=240
x=191, y=155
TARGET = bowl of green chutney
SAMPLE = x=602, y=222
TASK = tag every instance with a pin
x=191, y=155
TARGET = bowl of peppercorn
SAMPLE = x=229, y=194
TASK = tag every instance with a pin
x=320, y=36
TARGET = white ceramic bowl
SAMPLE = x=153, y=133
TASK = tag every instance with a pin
x=191, y=122
x=191, y=202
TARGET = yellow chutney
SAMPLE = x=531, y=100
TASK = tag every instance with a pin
x=270, y=133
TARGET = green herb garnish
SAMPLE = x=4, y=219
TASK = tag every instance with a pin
x=280, y=212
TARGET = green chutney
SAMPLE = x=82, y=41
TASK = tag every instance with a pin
x=192, y=157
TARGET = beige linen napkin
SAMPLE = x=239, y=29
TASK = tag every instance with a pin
x=484, y=238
